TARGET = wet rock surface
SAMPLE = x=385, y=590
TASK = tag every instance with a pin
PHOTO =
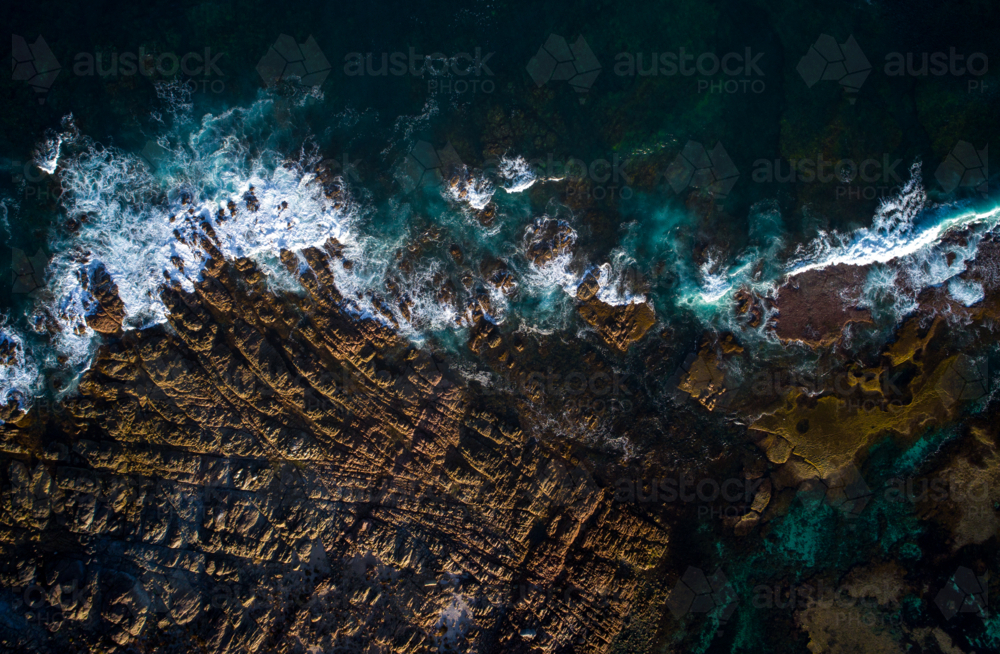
x=269, y=473
x=548, y=239
x=815, y=306
x=108, y=312
x=619, y=325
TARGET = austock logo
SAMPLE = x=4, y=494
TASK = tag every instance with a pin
x=344, y=167
x=941, y=488
x=884, y=388
x=53, y=604
x=32, y=179
x=965, y=167
x=845, y=491
x=740, y=70
x=730, y=498
x=576, y=391
x=195, y=67
x=966, y=379
x=686, y=489
x=846, y=64
x=596, y=179
x=459, y=73
x=965, y=592
x=868, y=178
x=697, y=593
x=939, y=64
x=865, y=603
x=29, y=271
x=34, y=63
x=155, y=155
x=843, y=63
x=424, y=166
x=287, y=61
x=710, y=171
x=559, y=61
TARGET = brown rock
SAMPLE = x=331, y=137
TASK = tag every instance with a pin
x=621, y=325
x=588, y=288
x=811, y=306
x=107, y=316
x=548, y=238
x=280, y=433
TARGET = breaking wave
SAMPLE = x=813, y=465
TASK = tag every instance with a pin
x=261, y=189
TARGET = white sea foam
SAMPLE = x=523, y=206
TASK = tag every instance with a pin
x=454, y=621
x=966, y=292
x=617, y=279
x=715, y=283
x=883, y=295
x=142, y=219
x=556, y=271
x=902, y=227
x=476, y=190
x=141, y=223
x=18, y=373
x=516, y=174
x=47, y=152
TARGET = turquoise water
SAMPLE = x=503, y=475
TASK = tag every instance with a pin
x=197, y=164
x=411, y=200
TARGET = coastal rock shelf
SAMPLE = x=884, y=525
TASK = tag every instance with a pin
x=269, y=471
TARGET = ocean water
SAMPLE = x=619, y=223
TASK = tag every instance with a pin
x=119, y=171
x=138, y=216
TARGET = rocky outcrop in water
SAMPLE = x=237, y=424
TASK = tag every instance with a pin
x=815, y=306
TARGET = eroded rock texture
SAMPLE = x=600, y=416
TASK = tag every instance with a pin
x=270, y=473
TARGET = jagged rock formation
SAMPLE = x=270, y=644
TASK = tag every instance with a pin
x=620, y=325
x=108, y=313
x=271, y=473
x=547, y=239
